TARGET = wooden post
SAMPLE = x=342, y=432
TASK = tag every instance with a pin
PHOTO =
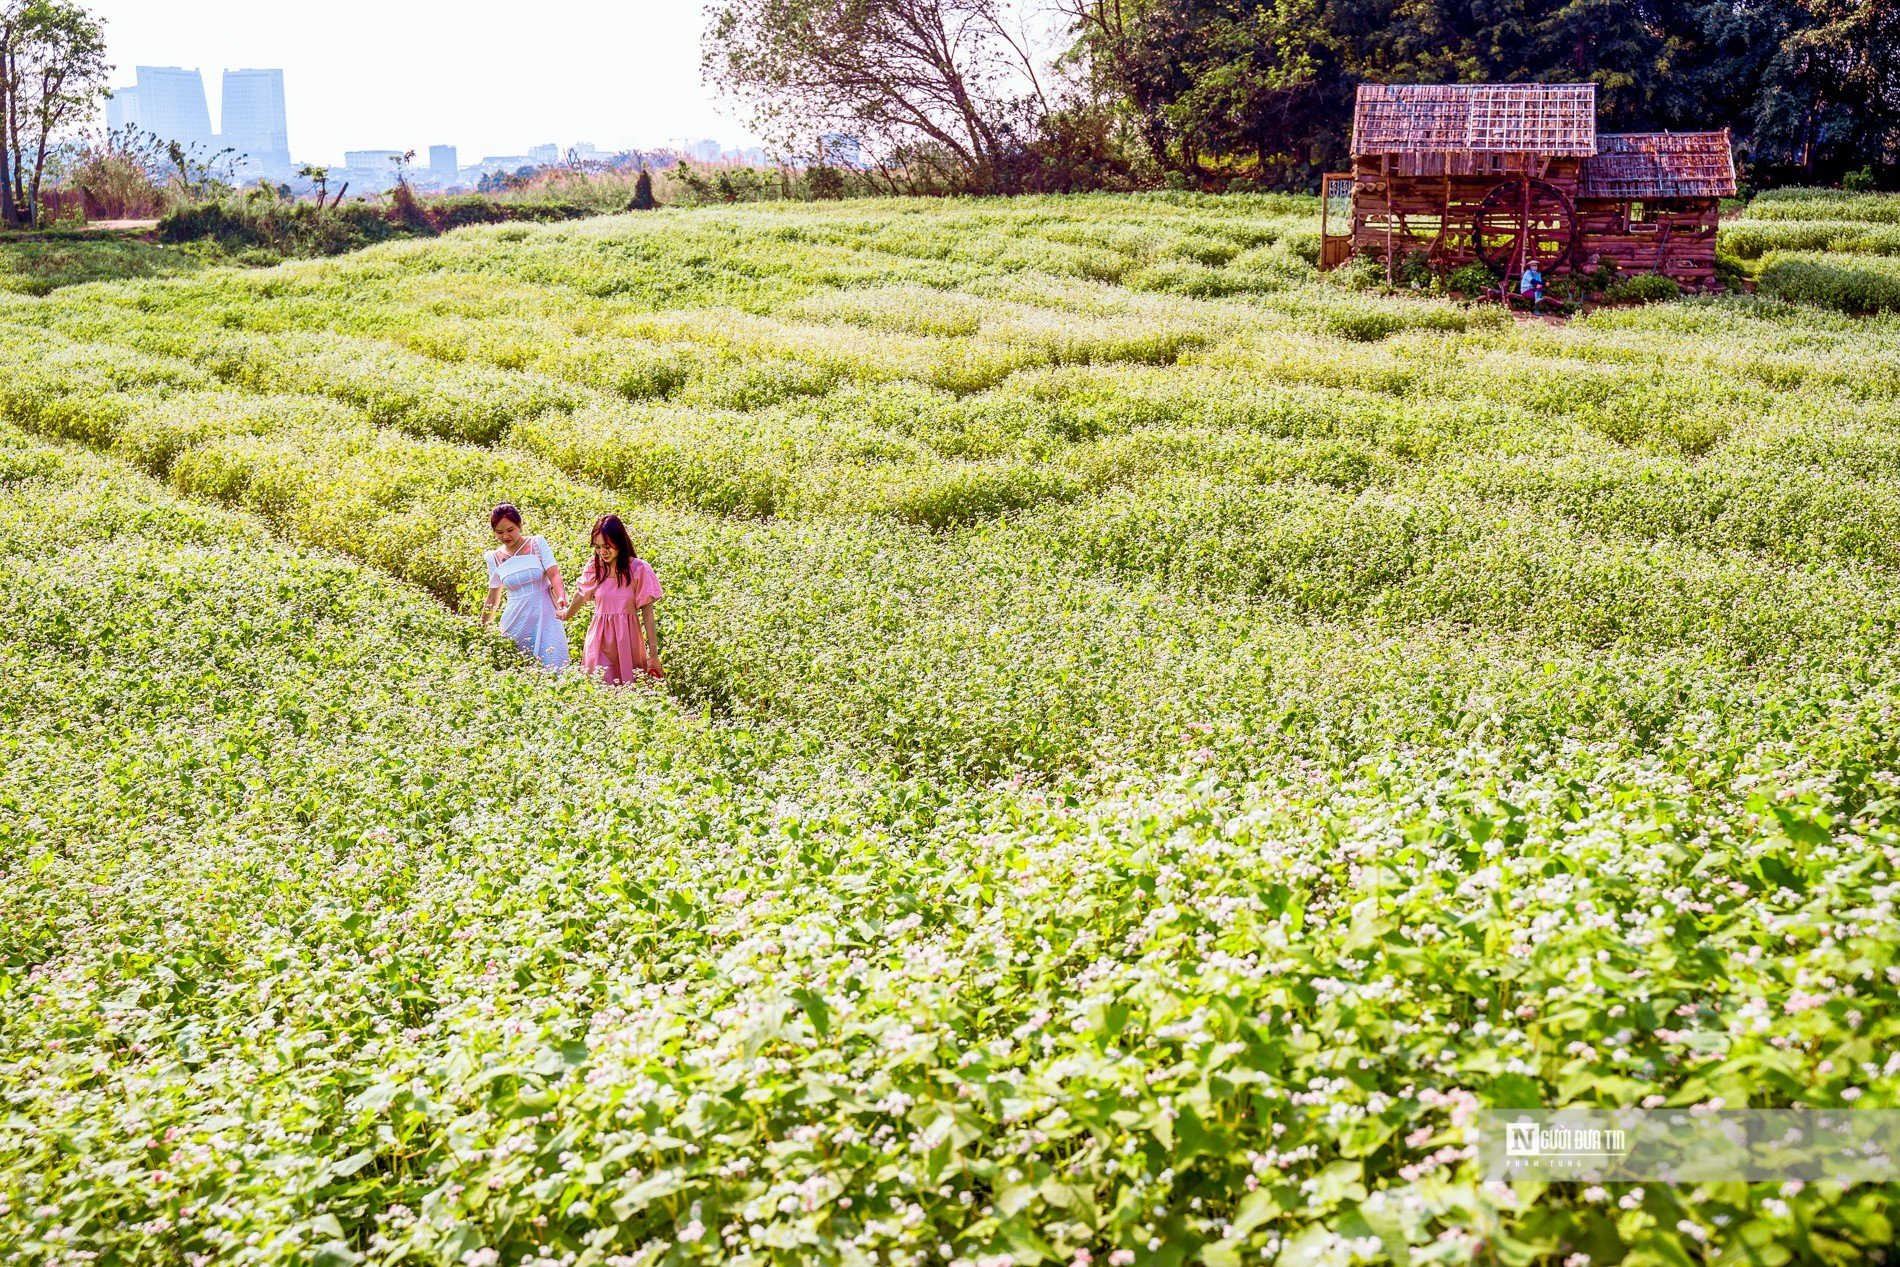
x=1385, y=167
x=1444, y=214
x=1524, y=221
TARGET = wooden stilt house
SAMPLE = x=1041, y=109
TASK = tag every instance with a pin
x=1511, y=173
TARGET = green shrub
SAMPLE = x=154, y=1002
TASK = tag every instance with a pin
x=1363, y=325
x=1416, y=272
x=1730, y=271
x=1825, y=204
x=1866, y=286
x=288, y=228
x=1644, y=288
x=537, y=211
x=1361, y=272
x=1471, y=279
x=49, y=262
x=1184, y=277
x=304, y=229
x=1303, y=243
x=1751, y=239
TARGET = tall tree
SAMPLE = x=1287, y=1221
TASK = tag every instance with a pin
x=12, y=33
x=1218, y=88
x=920, y=80
x=1258, y=75
x=1116, y=41
x=1841, y=69
x=52, y=74
x=1615, y=44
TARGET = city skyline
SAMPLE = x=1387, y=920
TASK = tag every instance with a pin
x=171, y=103
x=623, y=75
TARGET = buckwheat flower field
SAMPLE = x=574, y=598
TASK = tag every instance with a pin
x=1154, y=741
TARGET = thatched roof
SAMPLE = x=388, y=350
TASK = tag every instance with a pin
x=1660, y=165
x=1552, y=119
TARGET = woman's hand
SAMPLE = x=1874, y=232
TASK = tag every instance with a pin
x=650, y=640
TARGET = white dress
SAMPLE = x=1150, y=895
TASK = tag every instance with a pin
x=528, y=614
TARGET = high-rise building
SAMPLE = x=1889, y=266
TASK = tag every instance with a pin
x=254, y=120
x=122, y=109
x=172, y=105
x=442, y=163
x=544, y=154
x=706, y=151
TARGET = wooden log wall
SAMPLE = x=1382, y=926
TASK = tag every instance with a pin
x=1674, y=237
x=1434, y=212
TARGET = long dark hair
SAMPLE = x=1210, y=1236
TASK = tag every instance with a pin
x=504, y=511
x=610, y=527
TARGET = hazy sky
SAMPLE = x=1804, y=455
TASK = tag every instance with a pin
x=487, y=77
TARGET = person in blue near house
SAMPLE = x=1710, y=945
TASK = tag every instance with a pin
x=1531, y=285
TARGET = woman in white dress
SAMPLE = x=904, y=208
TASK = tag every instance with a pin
x=524, y=567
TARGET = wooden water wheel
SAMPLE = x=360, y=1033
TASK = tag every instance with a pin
x=1521, y=220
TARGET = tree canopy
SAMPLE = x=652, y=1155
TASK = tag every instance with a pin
x=52, y=74
x=1213, y=91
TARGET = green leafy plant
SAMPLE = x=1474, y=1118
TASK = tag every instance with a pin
x=1471, y=279
x=1362, y=272
x=1642, y=288
x=1415, y=272
x=824, y=183
x=1859, y=287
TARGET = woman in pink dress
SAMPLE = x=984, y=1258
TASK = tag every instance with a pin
x=623, y=642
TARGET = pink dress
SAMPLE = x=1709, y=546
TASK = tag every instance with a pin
x=616, y=648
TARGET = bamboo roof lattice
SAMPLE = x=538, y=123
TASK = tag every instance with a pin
x=1660, y=165
x=1553, y=119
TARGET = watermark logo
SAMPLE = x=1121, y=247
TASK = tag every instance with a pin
x=1521, y=1139
x=1690, y=1145
x=1557, y=1143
